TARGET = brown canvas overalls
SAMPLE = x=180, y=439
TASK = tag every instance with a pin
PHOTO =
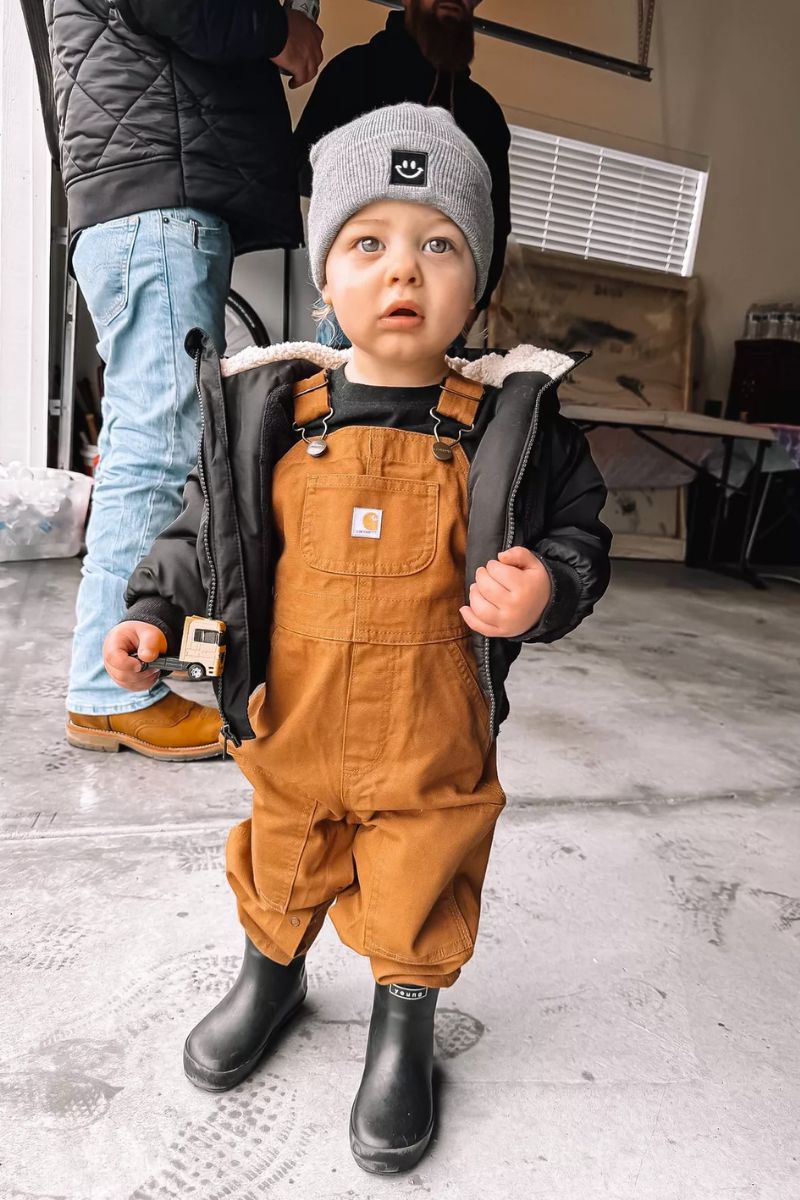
x=373, y=763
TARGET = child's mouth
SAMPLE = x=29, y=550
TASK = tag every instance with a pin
x=401, y=318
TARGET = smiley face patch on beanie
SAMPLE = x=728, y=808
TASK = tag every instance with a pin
x=409, y=168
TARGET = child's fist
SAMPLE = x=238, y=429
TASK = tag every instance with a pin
x=125, y=639
x=509, y=594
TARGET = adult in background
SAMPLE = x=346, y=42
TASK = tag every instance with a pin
x=176, y=153
x=423, y=54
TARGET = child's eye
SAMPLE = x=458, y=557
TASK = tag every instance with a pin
x=374, y=243
x=439, y=245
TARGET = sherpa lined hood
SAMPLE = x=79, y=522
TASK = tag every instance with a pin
x=491, y=368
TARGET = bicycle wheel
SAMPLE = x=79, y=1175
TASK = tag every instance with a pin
x=243, y=326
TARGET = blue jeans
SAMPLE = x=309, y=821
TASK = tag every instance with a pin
x=147, y=280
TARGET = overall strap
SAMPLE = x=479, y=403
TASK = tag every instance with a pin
x=459, y=399
x=310, y=398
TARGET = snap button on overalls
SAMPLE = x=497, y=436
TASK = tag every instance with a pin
x=373, y=765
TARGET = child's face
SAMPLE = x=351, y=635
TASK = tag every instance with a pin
x=394, y=251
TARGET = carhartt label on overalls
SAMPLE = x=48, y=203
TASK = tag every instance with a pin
x=407, y=993
x=367, y=522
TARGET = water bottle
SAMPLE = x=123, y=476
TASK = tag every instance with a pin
x=755, y=326
x=752, y=323
x=787, y=324
x=774, y=322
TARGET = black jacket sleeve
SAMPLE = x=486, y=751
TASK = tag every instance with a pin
x=168, y=583
x=341, y=93
x=211, y=30
x=576, y=543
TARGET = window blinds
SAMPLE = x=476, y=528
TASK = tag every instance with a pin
x=582, y=199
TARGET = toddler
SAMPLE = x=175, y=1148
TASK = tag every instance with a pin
x=381, y=529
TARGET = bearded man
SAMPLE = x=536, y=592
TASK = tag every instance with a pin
x=423, y=54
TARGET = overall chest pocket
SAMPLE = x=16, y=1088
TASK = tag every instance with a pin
x=369, y=525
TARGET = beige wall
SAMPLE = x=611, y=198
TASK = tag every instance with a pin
x=726, y=86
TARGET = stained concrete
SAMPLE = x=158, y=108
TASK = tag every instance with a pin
x=628, y=1026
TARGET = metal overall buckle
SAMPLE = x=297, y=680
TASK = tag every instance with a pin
x=444, y=450
x=441, y=449
x=315, y=445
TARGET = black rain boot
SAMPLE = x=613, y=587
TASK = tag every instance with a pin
x=230, y=1041
x=392, y=1117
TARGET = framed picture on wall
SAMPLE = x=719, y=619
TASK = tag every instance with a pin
x=639, y=327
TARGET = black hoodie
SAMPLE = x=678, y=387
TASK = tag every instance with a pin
x=391, y=69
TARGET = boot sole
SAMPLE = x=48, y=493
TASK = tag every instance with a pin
x=223, y=1081
x=109, y=742
x=380, y=1161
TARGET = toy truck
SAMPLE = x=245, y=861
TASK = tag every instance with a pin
x=202, y=653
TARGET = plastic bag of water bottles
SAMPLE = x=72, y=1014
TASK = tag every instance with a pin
x=42, y=511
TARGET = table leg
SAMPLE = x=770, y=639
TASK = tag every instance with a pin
x=721, y=497
x=759, y=514
x=749, y=523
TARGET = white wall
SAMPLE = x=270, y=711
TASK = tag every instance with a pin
x=25, y=175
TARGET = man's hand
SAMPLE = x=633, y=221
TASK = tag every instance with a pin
x=125, y=639
x=302, y=54
x=509, y=594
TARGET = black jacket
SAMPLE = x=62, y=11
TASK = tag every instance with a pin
x=388, y=70
x=532, y=482
x=164, y=105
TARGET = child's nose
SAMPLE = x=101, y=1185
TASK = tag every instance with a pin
x=403, y=268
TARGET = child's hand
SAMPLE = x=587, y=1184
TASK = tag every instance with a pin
x=125, y=639
x=509, y=594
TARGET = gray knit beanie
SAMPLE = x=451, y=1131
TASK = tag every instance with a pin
x=403, y=152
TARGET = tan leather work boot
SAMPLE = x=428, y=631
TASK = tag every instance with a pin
x=173, y=729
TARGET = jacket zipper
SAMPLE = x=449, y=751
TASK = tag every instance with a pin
x=508, y=538
x=227, y=733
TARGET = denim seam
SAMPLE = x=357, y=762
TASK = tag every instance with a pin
x=146, y=540
x=114, y=711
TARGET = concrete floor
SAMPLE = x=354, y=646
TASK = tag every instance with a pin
x=628, y=1026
